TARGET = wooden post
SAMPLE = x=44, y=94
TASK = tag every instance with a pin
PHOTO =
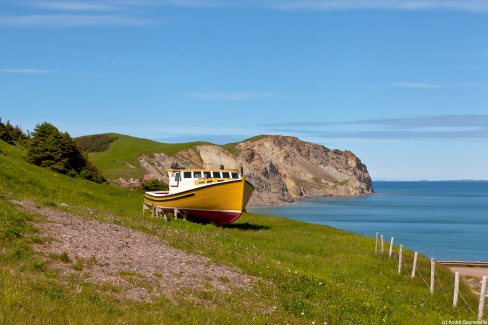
x=482, y=297
x=391, y=247
x=456, y=290
x=432, y=275
x=414, y=268
x=376, y=243
x=175, y=213
x=400, y=259
x=382, y=245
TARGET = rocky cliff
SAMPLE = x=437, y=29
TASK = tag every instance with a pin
x=281, y=168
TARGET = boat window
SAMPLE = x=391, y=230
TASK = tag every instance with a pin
x=216, y=175
x=197, y=175
x=225, y=175
x=186, y=174
x=235, y=175
x=177, y=177
x=207, y=175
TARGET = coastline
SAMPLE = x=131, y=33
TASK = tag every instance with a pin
x=444, y=222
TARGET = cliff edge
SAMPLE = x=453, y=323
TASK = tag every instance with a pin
x=281, y=168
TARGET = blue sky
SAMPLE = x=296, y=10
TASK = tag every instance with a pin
x=403, y=84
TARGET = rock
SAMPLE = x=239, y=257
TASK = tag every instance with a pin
x=131, y=183
x=281, y=168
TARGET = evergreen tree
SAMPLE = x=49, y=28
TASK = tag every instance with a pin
x=56, y=150
x=4, y=134
x=16, y=132
x=12, y=134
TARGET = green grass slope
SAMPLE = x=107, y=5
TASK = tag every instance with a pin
x=115, y=155
x=308, y=273
x=120, y=159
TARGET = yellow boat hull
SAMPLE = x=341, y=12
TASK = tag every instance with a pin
x=218, y=203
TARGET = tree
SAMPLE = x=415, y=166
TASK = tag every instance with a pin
x=12, y=134
x=56, y=150
x=4, y=135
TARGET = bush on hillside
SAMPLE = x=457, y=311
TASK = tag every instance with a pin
x=12, y=134
x=95, y=143
x=56, y=150
x=154, y=185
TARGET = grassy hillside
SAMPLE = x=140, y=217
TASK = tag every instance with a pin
x=116, y=154
x=308, y=273
x=120, y=159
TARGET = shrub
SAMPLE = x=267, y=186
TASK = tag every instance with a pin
x=154, y=185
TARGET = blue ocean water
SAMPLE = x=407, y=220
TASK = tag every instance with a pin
x=445, y=220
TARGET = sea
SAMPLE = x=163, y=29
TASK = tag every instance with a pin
x=446, y=220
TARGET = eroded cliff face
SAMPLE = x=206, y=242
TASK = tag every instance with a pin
x=280, y=168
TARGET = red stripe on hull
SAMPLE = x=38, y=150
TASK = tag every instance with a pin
x=218, y=218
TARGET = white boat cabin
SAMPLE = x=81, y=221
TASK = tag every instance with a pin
x=185, y=179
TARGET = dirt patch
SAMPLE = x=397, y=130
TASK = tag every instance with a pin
x=135, y=265
x=471, y=276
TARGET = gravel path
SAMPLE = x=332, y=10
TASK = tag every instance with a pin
x=140, y=265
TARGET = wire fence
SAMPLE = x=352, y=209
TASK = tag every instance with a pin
x=445, y=293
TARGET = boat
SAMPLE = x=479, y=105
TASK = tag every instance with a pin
x=217, y=196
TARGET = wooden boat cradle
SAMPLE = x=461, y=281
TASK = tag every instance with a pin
x=157, y=211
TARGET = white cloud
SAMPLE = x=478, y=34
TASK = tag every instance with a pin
x=422, y=85
x=319, y=5
x=72, y=5
x=136, y=12
x=453, y=127
x=71, y=20
x=414, y=85
x=25, y=71
x=469, y=5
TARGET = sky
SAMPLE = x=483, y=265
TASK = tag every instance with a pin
x=402, y=84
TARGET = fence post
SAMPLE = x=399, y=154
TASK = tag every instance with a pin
x=376, y=243
x=414, y=268
x=456, y=290
x=391, y=246
x=432, y=275
x=382, y=245
x=482, y=297
x=400, y=259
